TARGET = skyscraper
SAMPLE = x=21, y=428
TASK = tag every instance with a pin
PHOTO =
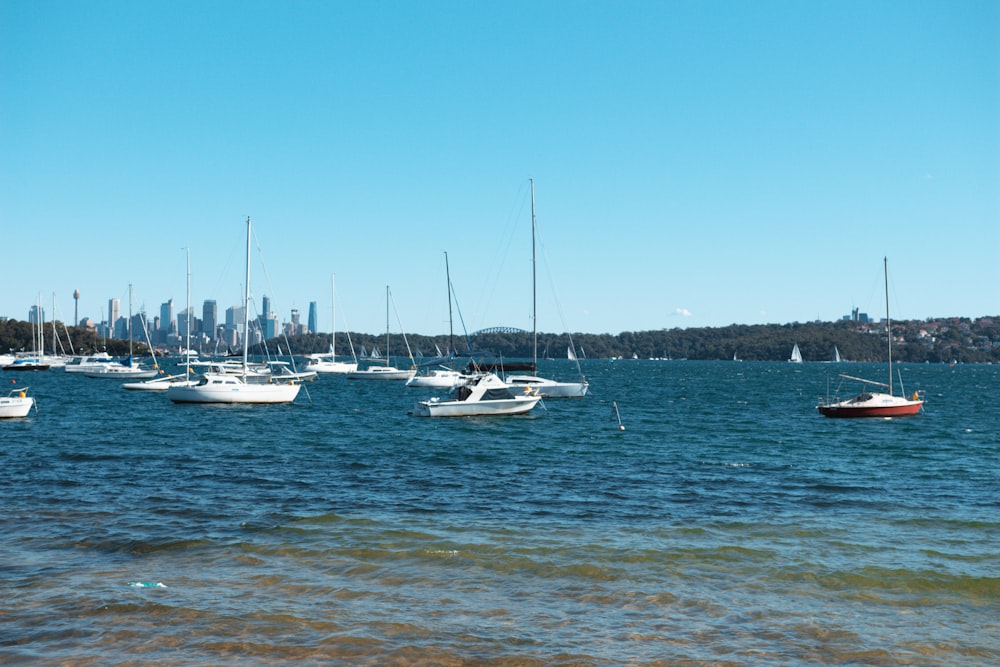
x=209, y=318
x=167, y=315
x=114, y=314
x=185, y=318
x=313, y=325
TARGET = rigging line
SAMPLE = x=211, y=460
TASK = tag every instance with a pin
x=408, y=352
x=346, y=326
x=270, y=287
x=494, y=270
x=468, y=341
x=555, y=293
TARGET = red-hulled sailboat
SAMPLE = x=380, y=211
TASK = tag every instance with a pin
x=876, y=403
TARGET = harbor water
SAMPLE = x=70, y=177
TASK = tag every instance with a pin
x=727, y=524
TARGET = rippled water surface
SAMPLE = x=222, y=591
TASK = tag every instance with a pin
x=727, y=524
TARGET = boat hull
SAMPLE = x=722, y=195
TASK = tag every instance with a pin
x=437, y=380
x=159, y=384
x=872, y=405
x=485, y=408
x=26, y=366
x=125, y=374
x=13, y=407
x=547, y=388
x=381, y=373
x=225, y=390
x=336, y=367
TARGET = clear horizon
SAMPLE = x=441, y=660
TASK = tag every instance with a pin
x=695, y=164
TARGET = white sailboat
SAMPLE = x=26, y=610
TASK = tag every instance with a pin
x=443, y=377
x=796, y=357
x=165, y=382
x=378, y=371
x=327, y=363
x=127, y=369
x=543, y=386
x=227, y=388
x=88, y=362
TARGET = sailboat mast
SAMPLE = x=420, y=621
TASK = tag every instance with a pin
x=41, y=328
x=451, y=326
x=246, y=307
x=55, y=333
x=187, y=342
x=333, y=308
x=130, y=324
x=386, y=326
x=888, y=320
x=534, y=287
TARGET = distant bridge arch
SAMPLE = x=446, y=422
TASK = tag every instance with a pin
x=499, y=330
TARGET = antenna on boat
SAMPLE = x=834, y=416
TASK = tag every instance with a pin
x=618, y=416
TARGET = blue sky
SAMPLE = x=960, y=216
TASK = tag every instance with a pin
x=695, y=163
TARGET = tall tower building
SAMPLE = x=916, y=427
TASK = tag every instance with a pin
x=184, y=320
x=167, y=315
x=209, y=318
x=36, y=315
x=313, y=324
x=114, y=314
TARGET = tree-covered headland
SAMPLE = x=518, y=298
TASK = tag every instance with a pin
x=958, y=339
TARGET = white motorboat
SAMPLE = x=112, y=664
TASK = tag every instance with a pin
x=88, y=362
x=481, y=396
x=16, y=404
x=327, y=363
x=280, y=371
x=27, y=364
x=226, y=388
x=124, y=370
x=160, y=384
x=546, y=387
x=382, y=373
x=438, y=378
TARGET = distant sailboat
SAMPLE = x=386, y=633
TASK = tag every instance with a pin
x=796, y=357
x=127, y=369
x=444, y=377
x=836, y=355
x=386, y=372
x=165, y=382
x=327, y=363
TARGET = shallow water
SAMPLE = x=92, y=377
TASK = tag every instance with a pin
x=727, y=524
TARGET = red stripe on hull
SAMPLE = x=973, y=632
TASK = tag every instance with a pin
x=884, y=411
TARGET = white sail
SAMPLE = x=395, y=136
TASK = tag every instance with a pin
x=796, y=355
